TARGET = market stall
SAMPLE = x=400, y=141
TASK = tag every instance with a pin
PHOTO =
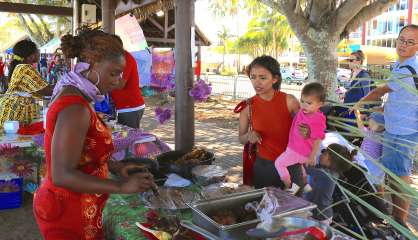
x=23, y=155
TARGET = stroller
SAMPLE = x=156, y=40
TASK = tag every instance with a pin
x=351, y=214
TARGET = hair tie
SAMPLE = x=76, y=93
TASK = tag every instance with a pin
x=17, y=58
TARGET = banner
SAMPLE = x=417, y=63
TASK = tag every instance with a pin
x=129, y=30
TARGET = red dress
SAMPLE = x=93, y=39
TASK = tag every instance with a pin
x=64, y=214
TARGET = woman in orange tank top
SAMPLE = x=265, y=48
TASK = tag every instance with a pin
x=271, y=119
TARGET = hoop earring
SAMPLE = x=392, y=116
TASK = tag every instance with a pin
x=98, y=77
x=97, y=74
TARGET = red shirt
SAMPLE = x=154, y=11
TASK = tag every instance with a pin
x=272, y=120
x=130, y=95
x=1, y=69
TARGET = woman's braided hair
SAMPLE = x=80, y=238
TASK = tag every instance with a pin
x=91, y=45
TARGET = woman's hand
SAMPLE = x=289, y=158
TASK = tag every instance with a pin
x=304, y=130
x=356, y=106
x=138, y=182
x=127, y=168
x=254, y=137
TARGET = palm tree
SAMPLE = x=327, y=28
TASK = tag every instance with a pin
x=223, y=36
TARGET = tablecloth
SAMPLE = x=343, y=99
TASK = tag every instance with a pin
x=122, y=211
x=23, y=155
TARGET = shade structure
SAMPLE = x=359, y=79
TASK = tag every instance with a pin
x=51, y=46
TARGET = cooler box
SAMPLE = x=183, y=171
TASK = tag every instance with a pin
x=11, y=188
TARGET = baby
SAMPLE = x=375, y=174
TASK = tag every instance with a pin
x=299, y=149
x=372, y=147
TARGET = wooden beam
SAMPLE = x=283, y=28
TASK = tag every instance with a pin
x=184, y=115
x=165, y=24
x=169, y=40
x=155, y=23
x=163, y=40
x=108, y=16
x=171, y=28
x=35, y=9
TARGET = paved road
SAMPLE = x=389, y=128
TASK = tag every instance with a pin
x=240, y=87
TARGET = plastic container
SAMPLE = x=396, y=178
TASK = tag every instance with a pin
x=11, y=193
x=11, y=127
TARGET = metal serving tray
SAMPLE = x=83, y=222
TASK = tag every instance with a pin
x=201, y=210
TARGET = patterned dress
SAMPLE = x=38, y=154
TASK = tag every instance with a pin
x=64, y=214
x=19, y=102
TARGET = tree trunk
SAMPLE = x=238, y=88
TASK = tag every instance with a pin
x=223, y=57
x=322, y=59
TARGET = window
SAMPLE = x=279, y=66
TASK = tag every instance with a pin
x=390, y=26
x=403, y=4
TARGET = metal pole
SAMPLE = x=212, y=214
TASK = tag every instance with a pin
x=76, y=13
x=235, y=87
x=184, y=114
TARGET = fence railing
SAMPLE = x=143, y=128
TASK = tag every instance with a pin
x=240, y=87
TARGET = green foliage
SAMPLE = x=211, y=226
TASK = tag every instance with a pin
x=227, y=71
x=267, y=33
x=39, y=27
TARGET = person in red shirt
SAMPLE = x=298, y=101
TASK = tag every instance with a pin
x=2, y=78
x=128, y=99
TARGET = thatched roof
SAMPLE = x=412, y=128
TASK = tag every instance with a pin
x=143, y=10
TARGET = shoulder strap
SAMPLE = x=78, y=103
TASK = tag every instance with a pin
x=249, y=103
x=414, y=73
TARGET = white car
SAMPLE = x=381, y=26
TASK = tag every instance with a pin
x=290, y=76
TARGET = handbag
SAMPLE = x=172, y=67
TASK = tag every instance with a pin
x=249, y=151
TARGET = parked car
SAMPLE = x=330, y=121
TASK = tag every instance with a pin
x=290, y=76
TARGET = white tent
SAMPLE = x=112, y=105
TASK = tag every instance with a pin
x=51, y=46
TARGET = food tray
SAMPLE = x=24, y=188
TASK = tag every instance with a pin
x=201, y=211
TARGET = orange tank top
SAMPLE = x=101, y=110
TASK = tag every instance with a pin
x=272, y=120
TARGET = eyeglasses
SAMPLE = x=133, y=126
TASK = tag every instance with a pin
x=408, y=42
x=351, y=60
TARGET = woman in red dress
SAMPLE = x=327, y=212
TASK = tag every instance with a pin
x=78, y=145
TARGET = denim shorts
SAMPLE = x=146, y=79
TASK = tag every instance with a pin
x=399, y=153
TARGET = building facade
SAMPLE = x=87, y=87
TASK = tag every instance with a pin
x=377, y=37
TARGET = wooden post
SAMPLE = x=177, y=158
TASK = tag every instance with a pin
x=75, y=4
x=184, y=114
x=108, y=15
